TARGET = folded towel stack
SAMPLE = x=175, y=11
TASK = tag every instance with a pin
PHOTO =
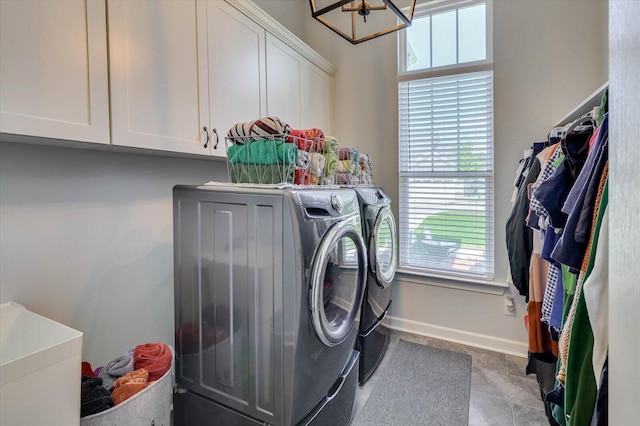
x=315, y=140
x=316, y=164
x=268, y=150
x=366, y=173
x=298, y=137
x=263, y=161
x=263, y=152
x=266, y=127
x=261, y=174
x=349, y=169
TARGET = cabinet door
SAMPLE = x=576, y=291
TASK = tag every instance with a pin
x=158, y=64
x=236, y=70
x=53, y=69
x=317, y=98
x=284, y=69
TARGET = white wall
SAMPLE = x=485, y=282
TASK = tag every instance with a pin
x=548, y=57
x=86, y=239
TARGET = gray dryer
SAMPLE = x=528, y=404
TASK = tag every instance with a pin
x=379, y=232
x=268, y=288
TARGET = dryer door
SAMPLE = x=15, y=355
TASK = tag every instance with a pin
x=383, y=248
x=338, y=277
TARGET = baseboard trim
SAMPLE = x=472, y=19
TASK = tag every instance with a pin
x=483, y=341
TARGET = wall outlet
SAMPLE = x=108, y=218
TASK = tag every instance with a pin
x=509, y=306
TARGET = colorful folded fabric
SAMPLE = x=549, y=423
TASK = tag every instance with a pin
x=241, y=133
x=316, y=164
x=346, y=166
x=342, y=178
x=331, y=164
x=128, y=385
x=357, y=170
x=263, y=152
x=87, y=370
x=315, y=140
x=302, y=162
x=115, y=368
x=94, y=398
x=331, y=145
x=298, y=137
x=261, y=174
x=156, y=358
x=301, y=177
x=314, y=179
x=314, y=134
x=345, y=153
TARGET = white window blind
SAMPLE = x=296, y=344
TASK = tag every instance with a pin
x=446, y=175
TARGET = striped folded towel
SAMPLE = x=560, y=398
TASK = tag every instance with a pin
x=264, y=127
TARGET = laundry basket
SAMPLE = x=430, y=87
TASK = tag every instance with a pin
x=281, y=158
x=149, y=407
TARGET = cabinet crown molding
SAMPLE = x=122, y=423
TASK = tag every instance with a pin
x=250, y=9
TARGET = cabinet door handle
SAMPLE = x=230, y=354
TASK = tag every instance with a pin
x=215, y=146
x=206, y=138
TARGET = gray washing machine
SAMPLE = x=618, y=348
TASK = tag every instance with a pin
x=379, y=231
x=268, y=288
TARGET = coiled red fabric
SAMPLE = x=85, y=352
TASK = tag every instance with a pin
x=156, y=358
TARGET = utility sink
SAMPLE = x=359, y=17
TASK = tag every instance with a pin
x=40, y=368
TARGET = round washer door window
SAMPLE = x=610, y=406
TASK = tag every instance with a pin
x=338, y=277
x=383, y=248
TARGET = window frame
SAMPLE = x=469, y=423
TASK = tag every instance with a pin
x=422, y=10
x=435, y=7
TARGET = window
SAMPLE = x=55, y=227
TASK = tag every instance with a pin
x=445, y=106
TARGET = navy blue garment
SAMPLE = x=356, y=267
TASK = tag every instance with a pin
x=575, y=147
x=601, y=412
x=580, y=203
x=556, y=396
x=552, y=194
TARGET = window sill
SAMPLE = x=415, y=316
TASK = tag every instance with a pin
x=454, y=282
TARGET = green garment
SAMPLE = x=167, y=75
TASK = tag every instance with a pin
x=581, y=387
x=569, y=281
x=263, y=152
x=331, y=163
x=266, y=174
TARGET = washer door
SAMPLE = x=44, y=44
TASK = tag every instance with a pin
x=383, y=248
x=338, y=277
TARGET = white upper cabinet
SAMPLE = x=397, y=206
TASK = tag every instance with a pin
x=236, y=70
x=284, y=74
x=317, y=98
x=298, y=91
x=53, y=69
x=182, y=73
x=171, y=75
x=159, y=81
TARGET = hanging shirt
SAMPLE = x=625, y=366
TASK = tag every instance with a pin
x=519, y=236
x=579, y=205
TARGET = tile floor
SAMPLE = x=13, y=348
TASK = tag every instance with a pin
x=501, y=393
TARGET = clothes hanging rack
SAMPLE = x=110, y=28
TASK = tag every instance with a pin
x=584, y=107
